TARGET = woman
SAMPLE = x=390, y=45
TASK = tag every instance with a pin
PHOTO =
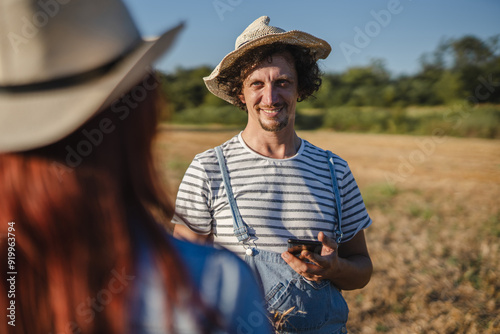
x=78, y=113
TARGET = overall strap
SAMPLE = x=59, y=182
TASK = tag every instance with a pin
x=331, y=165
x=240, y=230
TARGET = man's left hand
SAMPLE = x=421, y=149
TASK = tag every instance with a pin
x=351, y=270
x=313, y=266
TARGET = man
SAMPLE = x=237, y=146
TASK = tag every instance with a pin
x=278, y=186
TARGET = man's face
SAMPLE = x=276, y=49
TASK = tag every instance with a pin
x=270, y=94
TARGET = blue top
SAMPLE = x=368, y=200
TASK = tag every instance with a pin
x=226, y=283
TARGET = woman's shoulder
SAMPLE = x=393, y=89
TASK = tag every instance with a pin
x=226, y=283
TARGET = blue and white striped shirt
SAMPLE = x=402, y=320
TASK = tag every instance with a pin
x=277, y=198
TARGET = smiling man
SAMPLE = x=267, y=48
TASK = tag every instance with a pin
x=266, y=185
x=270, y=95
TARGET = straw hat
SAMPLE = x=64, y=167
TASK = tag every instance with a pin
x=260, y=33
x=62, y=62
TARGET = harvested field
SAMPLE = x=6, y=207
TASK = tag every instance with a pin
x=435, y=203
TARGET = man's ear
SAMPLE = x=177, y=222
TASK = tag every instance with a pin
x=242, y=98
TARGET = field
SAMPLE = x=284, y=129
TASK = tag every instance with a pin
x=435, y=204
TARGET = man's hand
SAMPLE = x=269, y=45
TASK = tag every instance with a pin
x=352, y=270
x=312, y=266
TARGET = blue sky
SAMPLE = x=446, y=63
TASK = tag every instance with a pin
x=398, y=31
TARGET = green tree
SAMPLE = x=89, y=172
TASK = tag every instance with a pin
x=458, y=66
x=185, y=87
x=449, y=88
x=366, y=83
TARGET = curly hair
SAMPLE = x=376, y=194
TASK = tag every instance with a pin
x=308, y=73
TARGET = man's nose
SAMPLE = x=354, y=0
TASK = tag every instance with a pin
x=270, y=95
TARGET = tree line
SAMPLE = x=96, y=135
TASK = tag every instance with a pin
x=459, y=70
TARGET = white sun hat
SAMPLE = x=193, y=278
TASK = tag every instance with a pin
x=63, y=62
x=260, y=33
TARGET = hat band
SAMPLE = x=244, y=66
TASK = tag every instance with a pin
x=71, y=80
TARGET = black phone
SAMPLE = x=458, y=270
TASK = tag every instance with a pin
x=295, y=246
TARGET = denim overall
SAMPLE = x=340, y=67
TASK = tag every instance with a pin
x=303, y=306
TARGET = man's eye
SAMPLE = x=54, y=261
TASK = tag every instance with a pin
x=256, y=83
x=282, y=82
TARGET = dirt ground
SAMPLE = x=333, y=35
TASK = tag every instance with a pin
x=434, y=242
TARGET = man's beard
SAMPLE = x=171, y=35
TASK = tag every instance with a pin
x=275, y=126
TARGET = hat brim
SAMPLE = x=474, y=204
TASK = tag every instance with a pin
x=319, y=48
x=34, y=119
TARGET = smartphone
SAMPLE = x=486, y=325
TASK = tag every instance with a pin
x=295, y=246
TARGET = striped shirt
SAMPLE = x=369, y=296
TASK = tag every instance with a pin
x=277, y=198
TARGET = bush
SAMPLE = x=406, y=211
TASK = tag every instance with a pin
x=362, y=119
x=228, y=115
x=309, y=119
x=458, y=121
x=481, y=122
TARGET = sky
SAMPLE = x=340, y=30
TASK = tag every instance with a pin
x=396, y=31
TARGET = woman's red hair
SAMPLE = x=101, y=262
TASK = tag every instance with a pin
x=72, y=216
